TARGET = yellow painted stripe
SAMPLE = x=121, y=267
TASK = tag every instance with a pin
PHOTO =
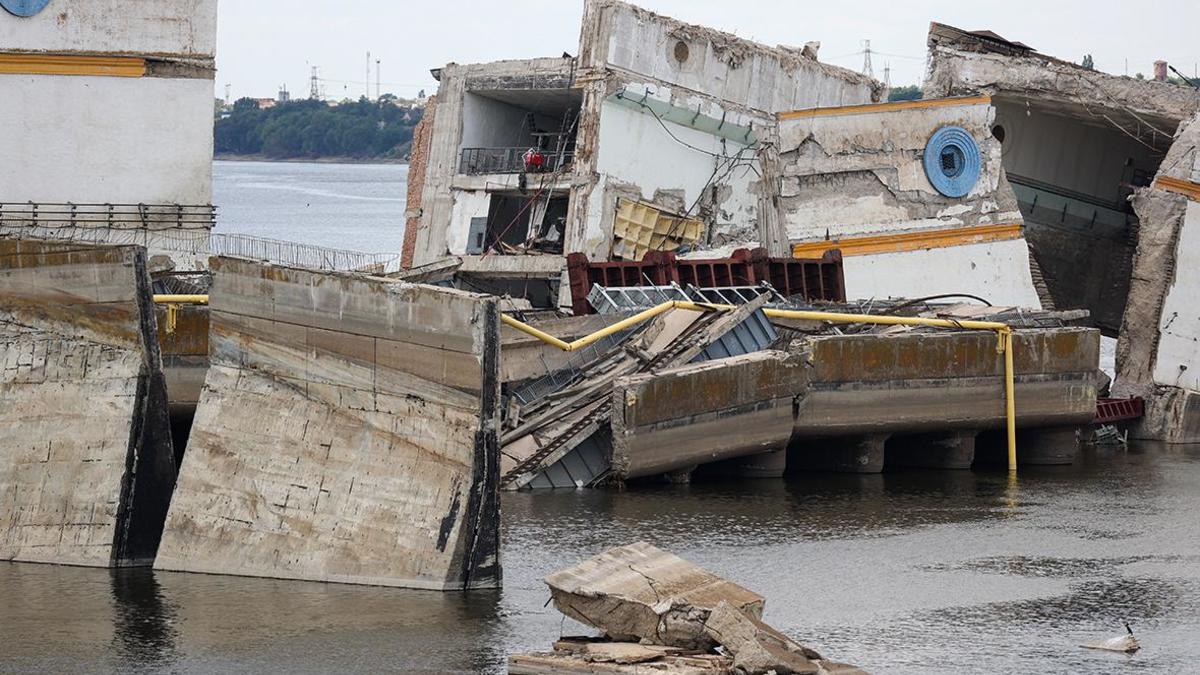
x=908, y=241
x=1179, y=186
x=72, y=64
x=869, y=108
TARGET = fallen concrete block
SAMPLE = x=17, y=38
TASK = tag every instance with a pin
x=641, y=593
x=346, y=432
x=86, y=463
x=755, y=646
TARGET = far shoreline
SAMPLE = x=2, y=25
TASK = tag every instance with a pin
x=304, y=160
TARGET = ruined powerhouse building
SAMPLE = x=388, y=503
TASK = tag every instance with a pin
x=656, y=120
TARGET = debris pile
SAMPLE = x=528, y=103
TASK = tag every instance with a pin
x=661, y=613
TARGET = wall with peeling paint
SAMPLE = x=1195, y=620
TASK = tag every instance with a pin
x=176, y=27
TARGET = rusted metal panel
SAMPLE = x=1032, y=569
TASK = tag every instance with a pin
x=1109, y=410
x=813, y=279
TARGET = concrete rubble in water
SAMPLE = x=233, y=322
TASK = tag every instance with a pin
x=661, y=612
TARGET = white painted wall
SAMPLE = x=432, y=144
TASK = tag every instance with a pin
x=468, y=204
x=105, y=139
x=635, y=150
x=996, y=271
x=180, y=27
x=488, y=123
x=1179, y=327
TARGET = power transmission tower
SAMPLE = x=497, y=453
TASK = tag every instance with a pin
x=314, y=87
x=867, y=59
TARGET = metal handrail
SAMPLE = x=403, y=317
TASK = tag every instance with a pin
x=510, y=160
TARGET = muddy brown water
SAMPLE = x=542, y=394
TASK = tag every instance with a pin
x=906, y=572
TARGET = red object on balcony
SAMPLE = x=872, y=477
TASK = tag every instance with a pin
x=814, y=279
x=534, y=160
x=1109, y=410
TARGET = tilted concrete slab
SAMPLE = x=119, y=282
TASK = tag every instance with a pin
x=86, y=466
x=704, y=412
x=346, y=432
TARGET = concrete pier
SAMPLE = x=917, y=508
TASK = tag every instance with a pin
x=86, y=464
x=954, y=450
x=843, y=454
x=346, y=432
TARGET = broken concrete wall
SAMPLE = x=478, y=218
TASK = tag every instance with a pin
x=86, y=464
x=853, y=179
x=672, y=115
x=959, y=63
x=448, y=199
x=1157, y=357
x=418, y=167
x=378, y=460
x=682, y=417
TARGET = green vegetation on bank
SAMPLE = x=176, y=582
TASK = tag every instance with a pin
x=909, y=92
x=310, y=129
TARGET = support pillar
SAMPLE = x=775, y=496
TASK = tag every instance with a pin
x=766, y=465
x=1047, y=446
x=953, y=450
x=845, y=454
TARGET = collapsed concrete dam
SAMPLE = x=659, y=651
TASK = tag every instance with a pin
x=346, y=429
x=352, y=428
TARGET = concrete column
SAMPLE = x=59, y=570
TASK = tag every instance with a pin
x=767, y=465
x=845, y=454
x=1049, y=445
x=953, y=450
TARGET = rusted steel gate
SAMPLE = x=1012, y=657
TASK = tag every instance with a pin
x=814, y=279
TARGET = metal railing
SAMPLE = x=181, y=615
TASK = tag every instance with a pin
x=511, y=160
x=176, y=229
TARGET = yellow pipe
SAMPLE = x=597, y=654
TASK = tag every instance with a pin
x=1010, y=412
x=1003, y=331
x=181, y=299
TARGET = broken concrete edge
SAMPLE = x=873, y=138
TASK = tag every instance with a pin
x=371, y=365
x=644, y=593
x=1170, y=413
x=150, y=473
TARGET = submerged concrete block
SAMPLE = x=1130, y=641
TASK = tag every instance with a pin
x=755, y=646
x=86, y=464
x=640, y=592
x=346, y=432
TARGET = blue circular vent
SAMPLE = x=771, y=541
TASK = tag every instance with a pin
x=24, y=7
x=952, y=161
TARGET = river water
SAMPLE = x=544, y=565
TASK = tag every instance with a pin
x=905, y=572
x=359, y=207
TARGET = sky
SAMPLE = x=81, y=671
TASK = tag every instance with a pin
x=263, y=44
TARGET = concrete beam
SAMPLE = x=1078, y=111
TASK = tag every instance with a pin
x=955, y=450
x=86, y=464
x=843, y=454
x=681, y=417
x=378, y=462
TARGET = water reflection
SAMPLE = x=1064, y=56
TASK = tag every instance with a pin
x=908, y=571
x=143, y=622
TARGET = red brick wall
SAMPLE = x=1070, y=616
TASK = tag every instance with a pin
x=416, y=181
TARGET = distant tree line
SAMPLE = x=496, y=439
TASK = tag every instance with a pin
x=311, y=129
x=909, y=92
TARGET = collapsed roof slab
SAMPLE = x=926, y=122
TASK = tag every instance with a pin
x=961, y=62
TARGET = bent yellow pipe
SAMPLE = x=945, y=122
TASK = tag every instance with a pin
x=1002, y=330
